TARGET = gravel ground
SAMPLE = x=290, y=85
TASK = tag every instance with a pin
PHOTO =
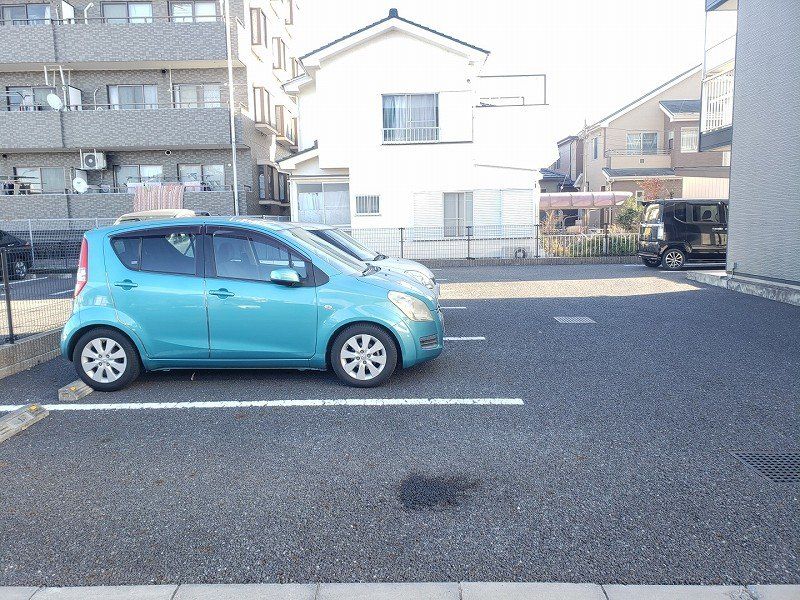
x=616, y=469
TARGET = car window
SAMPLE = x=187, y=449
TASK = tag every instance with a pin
x=705, y=213
x=680, y=211
x=245, y=257
x=128, y=251
x=170, y=253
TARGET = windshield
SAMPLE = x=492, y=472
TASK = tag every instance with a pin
x=340, y=260
x=652, y=214
x=346, y=243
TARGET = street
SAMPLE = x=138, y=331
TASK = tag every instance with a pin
x=615, y=467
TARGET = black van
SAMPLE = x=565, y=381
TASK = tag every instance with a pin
x=677, y=231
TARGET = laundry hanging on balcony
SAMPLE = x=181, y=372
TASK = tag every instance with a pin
x=154, y=197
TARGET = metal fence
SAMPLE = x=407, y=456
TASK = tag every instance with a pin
x=40, y=258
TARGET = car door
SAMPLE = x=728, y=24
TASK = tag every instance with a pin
x=158, y=290
x=707, y=227
x=249, y=316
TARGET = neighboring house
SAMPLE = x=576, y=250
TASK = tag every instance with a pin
x=399, y=128
x=570, y=157
x=142, y=89
x=553, y=181
x=746, y=117
x=653, y=137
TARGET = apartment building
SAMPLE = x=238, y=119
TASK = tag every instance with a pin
x=751, y=78
x=103, y=102
x=655, y=137
x=401, y=128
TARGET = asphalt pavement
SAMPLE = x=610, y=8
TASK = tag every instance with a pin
x=616, y=469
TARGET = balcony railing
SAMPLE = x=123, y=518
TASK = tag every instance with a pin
x=113, y=20
x=637, y=151
x=717, y=102
x=29, y=106
x=401, y=135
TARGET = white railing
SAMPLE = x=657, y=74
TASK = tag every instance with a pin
x=717, y=102
x=400, y=135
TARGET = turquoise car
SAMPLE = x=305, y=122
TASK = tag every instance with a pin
x=221, y=292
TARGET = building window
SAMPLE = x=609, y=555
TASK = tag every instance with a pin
x=645, y=142
x=135, y=175
x=262, y=106
x=131, y=97
x=278, y=53
x=199, y=11
x=197, y=95
x=290, y=12
x=368, y=205
x=670, y=140
x=205, y=178
x=410, y=118
x=272, y=185
x=689, y=138
x=639, y=195
x=595, y=146
x=28, y=98
x=258, y=27
x=726, y=158
x=457, y=213
x=25, y=14
x=327, y=203
x=39, y=180
x=127, y=12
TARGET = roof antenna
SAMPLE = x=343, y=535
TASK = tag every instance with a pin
x=393, y=13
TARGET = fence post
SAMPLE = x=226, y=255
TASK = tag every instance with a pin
x=7, y=289
x=605, y=240
x=30, y=237
x=469, y=239
x=402, y=229
x=536, y=239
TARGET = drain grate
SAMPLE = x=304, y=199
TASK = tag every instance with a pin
x=778, y=467
x=572, y=320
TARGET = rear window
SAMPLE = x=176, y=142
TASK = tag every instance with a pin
x=705, y=213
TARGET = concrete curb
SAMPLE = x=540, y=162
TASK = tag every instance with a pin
x=787, y=294
x=407, y=591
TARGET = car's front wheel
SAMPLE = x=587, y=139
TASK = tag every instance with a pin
x=363, y=355
x=673, y=259
x=106, y=360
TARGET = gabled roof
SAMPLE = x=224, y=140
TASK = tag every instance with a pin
x=681, y=110
x=569, y=138
x=638, y=173
x=642, y=99
x=389, y=22
x=550, y=174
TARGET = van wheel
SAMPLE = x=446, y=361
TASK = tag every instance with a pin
x=673, y=259
x=363, y=355
x=651, y=262
x=106, y=360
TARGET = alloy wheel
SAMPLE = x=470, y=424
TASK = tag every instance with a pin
x=673, y=259
x=104, y=360
x=363, y=357
x=20, y=269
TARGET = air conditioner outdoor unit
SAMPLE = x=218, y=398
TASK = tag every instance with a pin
x=93, y=161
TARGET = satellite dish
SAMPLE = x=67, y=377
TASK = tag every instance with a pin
x=54, y=101
x=79, y=185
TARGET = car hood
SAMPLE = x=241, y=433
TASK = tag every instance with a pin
x=401, y=265
x=391, y=281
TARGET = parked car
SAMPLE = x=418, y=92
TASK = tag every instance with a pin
x=18, y=255
x=223, y=292
x=359, y=251
x=675, y=232
x=164, y=213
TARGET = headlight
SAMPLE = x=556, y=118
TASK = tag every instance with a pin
x=413, y=308
x=422, y=278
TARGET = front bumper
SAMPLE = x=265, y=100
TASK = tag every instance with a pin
x=650, y=250
x=420, y=341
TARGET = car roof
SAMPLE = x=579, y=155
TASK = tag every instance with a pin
x=170, y=222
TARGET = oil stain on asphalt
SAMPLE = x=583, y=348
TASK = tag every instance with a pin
x=421, y=492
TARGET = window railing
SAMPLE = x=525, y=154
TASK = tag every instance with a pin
x=410, y=134
x=717, y=102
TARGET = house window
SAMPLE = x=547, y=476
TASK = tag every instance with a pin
x=194, y=95
x=25, y=14
x=639, y=195
x=670, y=140
x=368, y=205
x=595, y=146
x=28, y=98
x=39, y=180
x=410, y=118
x=258, y=27
x=645, y=142
x=205, y=178
x=127, y=12
x=327, y=203
x=199, y=11
x=296, y=70
x=130, y=97
x=290, y=12
x=278, y=53
x=272, y=185
x=726, y=158
x=457, y=213
x=262, y=106
x=689, y=138
x=134, y=175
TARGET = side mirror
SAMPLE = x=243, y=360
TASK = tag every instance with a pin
x=284, y=277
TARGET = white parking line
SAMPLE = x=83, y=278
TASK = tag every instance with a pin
x=60, y=293
x=18, y=281
x=453, y=307
x=437, y=279
x=465, y=339
x=278, y=403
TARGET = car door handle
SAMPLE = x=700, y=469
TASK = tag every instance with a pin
x=719, y=229
x=221, y=293
x=126, y=284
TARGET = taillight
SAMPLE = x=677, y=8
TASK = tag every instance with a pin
x=83, y=268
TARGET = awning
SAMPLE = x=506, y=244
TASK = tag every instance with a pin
x=582, y=200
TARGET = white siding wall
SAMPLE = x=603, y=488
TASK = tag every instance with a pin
x=455, y=116
x=487, y=208
x=428, y=209
x=705, y=187
x=519, y=207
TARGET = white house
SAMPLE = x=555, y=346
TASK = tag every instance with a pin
x=399, y=128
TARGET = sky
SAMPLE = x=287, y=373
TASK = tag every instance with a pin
x=598, y=54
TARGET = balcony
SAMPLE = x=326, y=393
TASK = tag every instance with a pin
x=629, y=158
x=287, y=128
x=24, y=45
x=716, y=111
x=31, y=130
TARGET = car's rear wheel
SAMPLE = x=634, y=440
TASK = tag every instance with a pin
x=106, y=360
x=651, y=262
x=17, y=268
x=673, y=259
x=363, y=355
